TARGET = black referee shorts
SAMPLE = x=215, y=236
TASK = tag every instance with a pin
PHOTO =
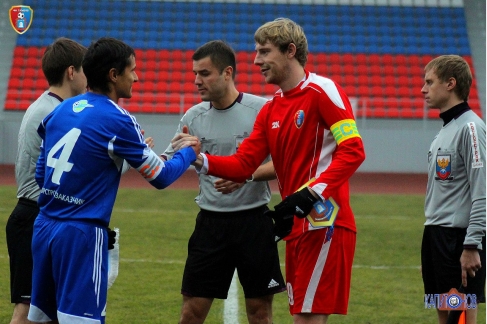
x=223, y=242
x=441, y=250
x=19, y=230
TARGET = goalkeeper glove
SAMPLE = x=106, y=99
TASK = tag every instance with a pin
x=299, y=203
x=111, y=238
x=283, y=224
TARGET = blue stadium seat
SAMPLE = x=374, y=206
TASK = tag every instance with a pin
x=332, y=30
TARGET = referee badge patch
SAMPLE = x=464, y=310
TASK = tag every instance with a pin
x=443, y=167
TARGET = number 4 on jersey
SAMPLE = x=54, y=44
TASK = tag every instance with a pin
x=61, y=164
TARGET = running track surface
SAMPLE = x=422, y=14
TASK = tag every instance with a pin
x=374, y=183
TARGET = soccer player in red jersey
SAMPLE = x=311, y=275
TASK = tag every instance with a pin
x=309, y=130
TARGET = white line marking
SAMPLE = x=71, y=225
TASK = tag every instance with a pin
x=230, y=306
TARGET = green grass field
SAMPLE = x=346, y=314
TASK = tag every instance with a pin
x=155, y=227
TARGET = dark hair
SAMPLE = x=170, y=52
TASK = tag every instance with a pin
x=220, y=53
x=60, y=55
x=103, y=55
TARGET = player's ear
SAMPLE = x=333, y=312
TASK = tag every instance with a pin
x=70, y=72
x=112, y=75
x=451, y=83
x=228, y=72
x=291, y=50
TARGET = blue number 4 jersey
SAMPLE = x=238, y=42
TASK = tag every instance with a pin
x=85, y=141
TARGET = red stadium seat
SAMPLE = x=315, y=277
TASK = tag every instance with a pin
x=362, y=69
x=177, y=66
x=361, y=59
x=150, y=55
x=149, y=75
x=19, y=51
x=242, y=56
x=163, y=75
x=389, y=80
x=30, y=73
x=404, y=91
x=400, y=60
x=364, y=80
x=375, y=59
x=335, y=69
x=14, y=84
x=257, y=78
x=34, y=62
x=389, y=91
x=388, y=70
x=34, y=52
x=18, y=61
x=150, y=65
x=387, y=59
x=350, y=80
x=16, y=72
x=332, y=58
x=190, y=88
x=377, y=91
x=349, y=69
x=177, y=55
x=375, y=69
x=373, y=80
x=363, y=92
x=402, y=70
x=177, y=76
x=348, y=59
x=164, y=55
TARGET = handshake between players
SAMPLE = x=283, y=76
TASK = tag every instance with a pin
x=298, y=204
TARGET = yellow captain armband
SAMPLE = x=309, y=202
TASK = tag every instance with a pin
x=344, y=129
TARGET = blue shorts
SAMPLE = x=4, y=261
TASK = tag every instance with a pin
x=69, y=281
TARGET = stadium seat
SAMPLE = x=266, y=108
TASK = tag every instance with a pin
x=16, y=72
x=380, y=47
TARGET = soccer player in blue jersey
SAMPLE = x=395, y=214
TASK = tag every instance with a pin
x=61, y=65
x=85, y=141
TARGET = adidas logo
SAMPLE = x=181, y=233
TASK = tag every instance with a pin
x=272, y=284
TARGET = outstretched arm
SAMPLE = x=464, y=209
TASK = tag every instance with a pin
x=263, y=173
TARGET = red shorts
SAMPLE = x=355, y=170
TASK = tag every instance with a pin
x=318, y=272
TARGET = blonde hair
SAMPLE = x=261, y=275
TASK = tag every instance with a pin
x=281, y=32
x=452, y=66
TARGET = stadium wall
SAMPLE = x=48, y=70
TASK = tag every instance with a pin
x=392, y=145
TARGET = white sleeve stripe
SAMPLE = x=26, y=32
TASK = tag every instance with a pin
x=134, y=122
x=476, y=156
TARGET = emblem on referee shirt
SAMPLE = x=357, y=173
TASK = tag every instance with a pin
x=443, y=167
x=299, y=118
x=21, y=18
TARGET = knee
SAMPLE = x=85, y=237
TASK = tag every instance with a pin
x=189, y=317
x=193, y=313
x=259, y=313
x=260, y=317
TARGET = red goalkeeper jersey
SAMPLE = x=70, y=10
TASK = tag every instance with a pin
x=310, y=132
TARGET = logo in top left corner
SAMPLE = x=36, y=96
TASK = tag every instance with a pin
x=21, y=18
x=79, y=105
